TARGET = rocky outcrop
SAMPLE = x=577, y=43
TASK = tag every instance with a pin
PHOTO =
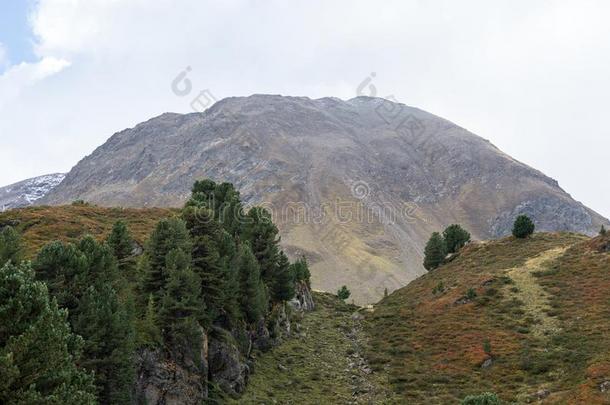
x=171, y=378
x=303, y=300
x=180, y=376
x=228, y=366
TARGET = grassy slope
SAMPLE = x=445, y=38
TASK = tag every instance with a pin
x=541, y=315
x=40, y=225
x=320, y=364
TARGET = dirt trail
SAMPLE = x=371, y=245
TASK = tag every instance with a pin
x=322, y=364
x=533, y=296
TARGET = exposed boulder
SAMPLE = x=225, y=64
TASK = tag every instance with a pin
x=228, y=367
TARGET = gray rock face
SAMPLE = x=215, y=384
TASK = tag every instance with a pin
x=303, y=300
x=228, y=367
x=27, y=192
x=550, y=213
x=171, y=379
x=357, y=186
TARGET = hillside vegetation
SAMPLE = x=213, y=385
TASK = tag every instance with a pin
x=40, y=225
x=524, y=318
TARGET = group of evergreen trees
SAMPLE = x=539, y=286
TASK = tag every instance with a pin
x=71, y=320
x=454, y=237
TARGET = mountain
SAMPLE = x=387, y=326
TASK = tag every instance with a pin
x=526, y=319
x=357, y=186
x=28, y=191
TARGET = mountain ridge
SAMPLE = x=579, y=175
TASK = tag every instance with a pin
x=405, y=171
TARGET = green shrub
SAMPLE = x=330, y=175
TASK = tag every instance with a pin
x=523, y=227
x=343, y=293
x=486, y=398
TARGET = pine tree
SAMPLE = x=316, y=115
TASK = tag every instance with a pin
x=603, y=231
x=455, y=238
x=101, y=264
x=282, y=288
x=252, y=289
x=64, y=269
x=207, y=241
x=168, y=235
x=435, y=252
x=523, y=227
x=121, y=243
x=107, y=328
x=37, y=349
x=343, y=293
x=300, y=270
x=262, y=234
x=10, y=246
x=148, y=331
x=181, y=304
x=223, y=200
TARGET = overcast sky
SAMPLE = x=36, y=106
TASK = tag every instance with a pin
x=533, y=77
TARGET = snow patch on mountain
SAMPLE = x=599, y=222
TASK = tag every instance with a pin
x=27, y=192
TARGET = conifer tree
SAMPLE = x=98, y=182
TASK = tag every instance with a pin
x=300, y=270
x=455, y=238
x=223, y=200
x=282, y=288
x=216, y=280
x=148, y=331
x=603, y=231
x=343, y=293
x=181, y=304
x=121, y=243
x=253, y=299
x=435, y=252
x=37, y=349
x=101, y=264
x=64, y=269
x=262, y=234
x=10, y=246
x=523, y=227
x=169, y=234
x=109, y=345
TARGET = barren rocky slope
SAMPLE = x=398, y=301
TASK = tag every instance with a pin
x=357, y=185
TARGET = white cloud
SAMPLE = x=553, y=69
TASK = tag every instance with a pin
x=16, y=78
x=531, y=77
x=3, y=56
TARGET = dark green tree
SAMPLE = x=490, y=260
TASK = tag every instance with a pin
x=343, y=293
x=109, y=335
x=64, y=269
x=603, y=231
x=37, y=349
x=455, y=238
x=121, y=243
x=253, y=296
x=523, y=227
x=101, y=264
x=217, y=281
x=147, y=327
x=435, y=252
x=282, y=288
x=169, y=234
x=181, y=304
x=10, y=246
x=300, y=270
x=262, y=234
x=85, y=280
x=223, y=200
